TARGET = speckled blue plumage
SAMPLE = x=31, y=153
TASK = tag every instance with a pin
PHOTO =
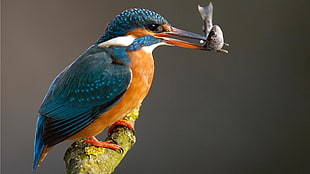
x=142, y=42
x=129, y=20
x=85, y=89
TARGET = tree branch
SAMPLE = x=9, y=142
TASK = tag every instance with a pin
x=82, y=158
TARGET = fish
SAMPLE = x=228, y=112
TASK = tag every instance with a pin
x=213, y=33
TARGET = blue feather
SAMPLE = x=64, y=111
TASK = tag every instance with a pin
x=129, y=20
x=38, y=143
x=140, y=42
x=88, y=87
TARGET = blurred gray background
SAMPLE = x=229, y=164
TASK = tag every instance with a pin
x=237, y=113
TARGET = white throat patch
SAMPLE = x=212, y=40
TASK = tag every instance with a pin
x=122, y=41
x=149, y=49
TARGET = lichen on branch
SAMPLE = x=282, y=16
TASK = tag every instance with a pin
x=83, y=158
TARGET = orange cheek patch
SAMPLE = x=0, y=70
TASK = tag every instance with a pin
x=166, y=27
x=139, y=32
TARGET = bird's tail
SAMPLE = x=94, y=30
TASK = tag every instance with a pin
x=40, y=150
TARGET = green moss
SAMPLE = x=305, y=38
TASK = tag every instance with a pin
x=92, y=150
x=82, y=158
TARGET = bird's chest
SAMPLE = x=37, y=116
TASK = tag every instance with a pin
x=142, y=67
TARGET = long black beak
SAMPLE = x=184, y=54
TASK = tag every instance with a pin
x=180, y=43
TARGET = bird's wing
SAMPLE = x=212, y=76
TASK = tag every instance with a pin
x=88, y=87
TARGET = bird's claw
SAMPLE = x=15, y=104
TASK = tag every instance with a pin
x=105, y=144
x=121, y=123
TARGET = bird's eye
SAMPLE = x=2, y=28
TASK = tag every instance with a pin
x=155, y=28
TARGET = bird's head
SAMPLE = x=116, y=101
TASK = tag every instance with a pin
x=137, y=28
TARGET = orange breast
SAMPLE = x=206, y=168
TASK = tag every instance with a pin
x=142, y=67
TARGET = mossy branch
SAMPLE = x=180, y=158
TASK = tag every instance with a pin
x=83, y=158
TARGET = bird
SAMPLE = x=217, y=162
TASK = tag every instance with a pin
x=106, y=82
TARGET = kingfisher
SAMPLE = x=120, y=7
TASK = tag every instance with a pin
x=109, y=80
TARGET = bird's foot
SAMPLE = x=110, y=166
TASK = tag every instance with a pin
x=106, y=144
x=121, y=123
